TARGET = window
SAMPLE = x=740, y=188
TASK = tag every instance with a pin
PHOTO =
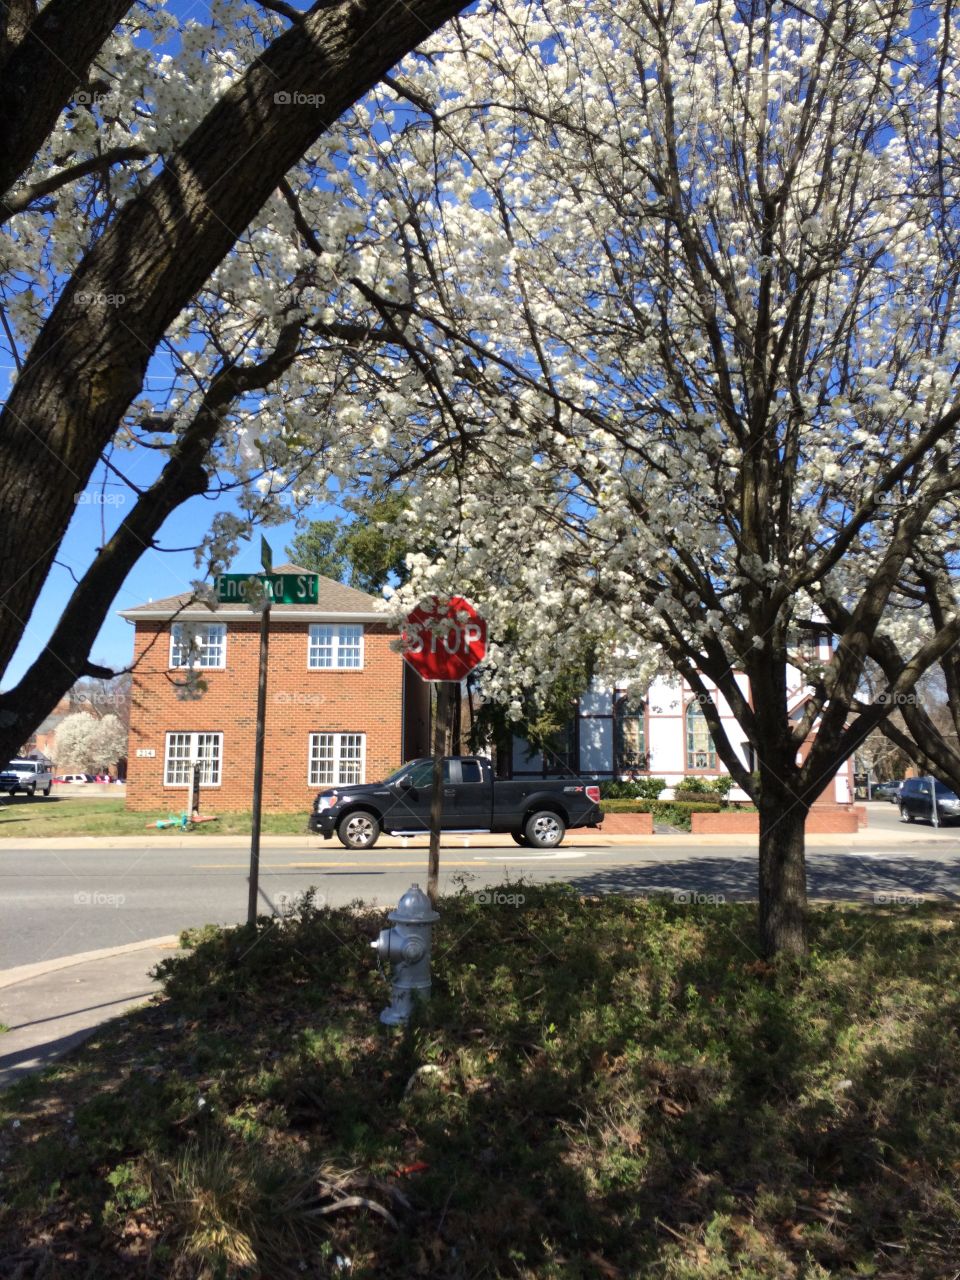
x=631, y=738
x=701, y=753
x=198, y=644
x=335, y=646
x=183, y=749
x=421, y=775
x=336, y=759
x=470, y=771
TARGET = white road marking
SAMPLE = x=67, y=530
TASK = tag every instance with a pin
x=542, y=857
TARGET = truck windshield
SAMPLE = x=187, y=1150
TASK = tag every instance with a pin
x=401, y=772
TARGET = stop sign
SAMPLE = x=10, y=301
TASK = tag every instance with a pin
x=445, y=639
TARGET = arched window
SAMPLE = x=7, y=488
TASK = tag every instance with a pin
x=701, y=753
x=631, y=736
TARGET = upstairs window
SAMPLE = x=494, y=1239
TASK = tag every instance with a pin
x=701, y=753
x=335, y=646
x=201, y=644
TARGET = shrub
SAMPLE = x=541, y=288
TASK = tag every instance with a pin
x=675, y=812
x=697, y=797
x=640, y=789
x=704, y=789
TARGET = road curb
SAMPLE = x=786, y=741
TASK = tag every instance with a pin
x=27, y=972
x=313, y=844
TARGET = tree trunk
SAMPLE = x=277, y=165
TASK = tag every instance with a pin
x=62, y=411
x=783, y=876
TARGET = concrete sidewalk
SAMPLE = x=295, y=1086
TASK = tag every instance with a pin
x=53, y=1006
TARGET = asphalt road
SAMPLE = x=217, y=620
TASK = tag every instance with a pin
x=57, y=902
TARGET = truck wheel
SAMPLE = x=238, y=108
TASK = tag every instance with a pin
x=544, y=830
x=30, y=791
x=904, y=816
x=358, y=830
x=46, y=789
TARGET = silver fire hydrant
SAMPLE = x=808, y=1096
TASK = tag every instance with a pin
x=407, y=946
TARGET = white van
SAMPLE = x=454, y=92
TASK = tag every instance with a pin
x=28, y=776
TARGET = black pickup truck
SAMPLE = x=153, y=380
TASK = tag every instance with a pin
x=535, y=811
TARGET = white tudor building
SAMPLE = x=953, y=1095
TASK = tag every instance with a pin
x=664, y=734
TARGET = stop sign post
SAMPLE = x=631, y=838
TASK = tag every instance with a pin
x=443, y=641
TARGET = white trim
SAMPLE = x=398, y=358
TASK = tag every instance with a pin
x=337, y=734
x=198, y=665
x=335, y=648
x=191, y=733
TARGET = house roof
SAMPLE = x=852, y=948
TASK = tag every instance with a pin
x=334, y=601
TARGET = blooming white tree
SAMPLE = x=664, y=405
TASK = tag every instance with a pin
x=83, y=742
x=150, y=174
x=679, y=286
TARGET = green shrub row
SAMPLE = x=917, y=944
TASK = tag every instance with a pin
x=695, y=790
x=676, y=812
x=687, y=788
x=641, y=789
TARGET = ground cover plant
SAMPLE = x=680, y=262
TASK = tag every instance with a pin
x=599, y=1088
x=25, y=818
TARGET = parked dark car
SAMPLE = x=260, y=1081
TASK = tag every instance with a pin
x=916, y=802
x=537, y=812
x=886, y=791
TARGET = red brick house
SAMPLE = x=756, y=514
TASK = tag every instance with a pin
x=342, y=706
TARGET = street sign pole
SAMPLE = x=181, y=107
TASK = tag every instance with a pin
x=258, y=765
x=266, y=556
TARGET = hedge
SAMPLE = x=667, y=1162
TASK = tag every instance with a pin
x=640, y=789
x=675, y=812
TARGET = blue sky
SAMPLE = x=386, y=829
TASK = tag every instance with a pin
x=157, y=573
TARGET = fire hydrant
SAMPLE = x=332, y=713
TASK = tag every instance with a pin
x=407, y=946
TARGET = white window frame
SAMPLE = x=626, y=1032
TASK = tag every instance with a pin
x=180, y=649
x=192, y=750
x=343, y=636
x=337, y=758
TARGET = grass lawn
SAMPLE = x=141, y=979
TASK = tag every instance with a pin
x=599, y=1088
x=25, y=817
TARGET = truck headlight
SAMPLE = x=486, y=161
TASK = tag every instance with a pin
x=326, y=801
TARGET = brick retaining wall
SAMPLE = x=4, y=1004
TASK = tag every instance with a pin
x=627, y=824
x=820, y=821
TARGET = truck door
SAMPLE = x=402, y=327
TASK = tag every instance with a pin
x=467, y=798
x=410, y=808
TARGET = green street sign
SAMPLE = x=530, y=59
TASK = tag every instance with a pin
x=266, y=555
x=282, y=588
